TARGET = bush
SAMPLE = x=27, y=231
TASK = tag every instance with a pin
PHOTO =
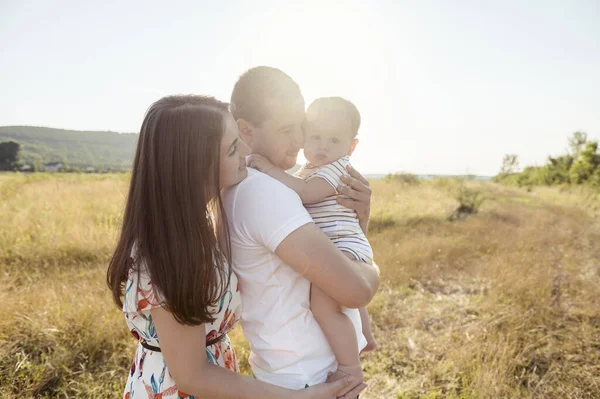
x=405, y=178
x=507, y=178
x=469, y=202
x=581, y=166
x=381, y=220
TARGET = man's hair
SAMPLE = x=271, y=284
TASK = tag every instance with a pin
x=256, y=87
x=328, y=106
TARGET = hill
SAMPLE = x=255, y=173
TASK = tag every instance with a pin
x=81, y=149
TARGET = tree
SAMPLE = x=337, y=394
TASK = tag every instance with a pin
x=577, y=142
x=510, y=164
x=587, y=164
x=595, y=178
x=581, y=165
x=558, y=169
x=9, y=154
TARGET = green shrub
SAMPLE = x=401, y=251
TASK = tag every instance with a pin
x=581, y=166
x=405, y=178
x=469, y=201
x=381, y=220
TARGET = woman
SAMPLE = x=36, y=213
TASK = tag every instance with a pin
x=170, y=271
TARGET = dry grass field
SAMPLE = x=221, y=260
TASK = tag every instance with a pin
x=504, y=303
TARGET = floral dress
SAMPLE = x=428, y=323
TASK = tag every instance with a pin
x=149, y=377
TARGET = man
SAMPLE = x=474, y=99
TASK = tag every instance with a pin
x=277, y=251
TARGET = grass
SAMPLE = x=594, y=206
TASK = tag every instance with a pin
x=504, y=303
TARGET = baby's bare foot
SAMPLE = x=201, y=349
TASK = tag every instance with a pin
x=371, y=346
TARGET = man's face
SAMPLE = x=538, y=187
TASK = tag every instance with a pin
x=280, y=137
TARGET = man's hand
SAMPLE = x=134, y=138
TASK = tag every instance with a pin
x=356, y=187
x=259, y=162
x=352, y=393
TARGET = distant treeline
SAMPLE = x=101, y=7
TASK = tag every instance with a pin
x=581, y=165
x=42, y=148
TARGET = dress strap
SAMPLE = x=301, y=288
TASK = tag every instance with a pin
x=157, y=349
x=214, y=341
x=149, y=347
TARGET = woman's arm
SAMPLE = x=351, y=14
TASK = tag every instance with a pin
x=184, y=350
x=310, y=253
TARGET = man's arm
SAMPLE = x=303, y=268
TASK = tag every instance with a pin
x=273, y=216
x=310, y=253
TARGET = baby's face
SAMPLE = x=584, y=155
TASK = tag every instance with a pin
x=327, y=140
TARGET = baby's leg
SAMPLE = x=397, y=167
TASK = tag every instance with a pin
x=338, y=329
x=366, y=329
x=365, y=321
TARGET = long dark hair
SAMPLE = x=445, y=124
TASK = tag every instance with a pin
x=174, y=215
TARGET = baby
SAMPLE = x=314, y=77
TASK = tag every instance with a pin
x=330, y=138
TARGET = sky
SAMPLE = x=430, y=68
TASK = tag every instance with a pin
x=443, y=87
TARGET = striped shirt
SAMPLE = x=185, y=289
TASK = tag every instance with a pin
x=339, y=223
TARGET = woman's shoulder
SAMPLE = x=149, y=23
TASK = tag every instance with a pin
x=141, y=294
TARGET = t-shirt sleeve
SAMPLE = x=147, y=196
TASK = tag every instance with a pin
x=267, y=211
x=332, y=172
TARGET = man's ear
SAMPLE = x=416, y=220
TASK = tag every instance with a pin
x=353, y=146
x=246, y=131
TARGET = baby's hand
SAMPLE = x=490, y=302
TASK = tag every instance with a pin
x=259, y=162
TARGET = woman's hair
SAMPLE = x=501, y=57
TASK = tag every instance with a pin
x=174, y=218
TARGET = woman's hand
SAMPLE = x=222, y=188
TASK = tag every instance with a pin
x=356, y=187
x=342, y=387
x=259, y=162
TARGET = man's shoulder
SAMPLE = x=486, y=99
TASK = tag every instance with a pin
x=262, y=210
x=260, y=182
x=260, y=187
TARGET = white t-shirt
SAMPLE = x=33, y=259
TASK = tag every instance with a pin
x=287, y=345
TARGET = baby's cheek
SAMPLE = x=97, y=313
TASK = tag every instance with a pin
x=309, y=145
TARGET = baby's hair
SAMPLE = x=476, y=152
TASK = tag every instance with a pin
x=328, y=106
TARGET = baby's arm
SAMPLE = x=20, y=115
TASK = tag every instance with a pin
x=310, y=191
x=338, y=330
